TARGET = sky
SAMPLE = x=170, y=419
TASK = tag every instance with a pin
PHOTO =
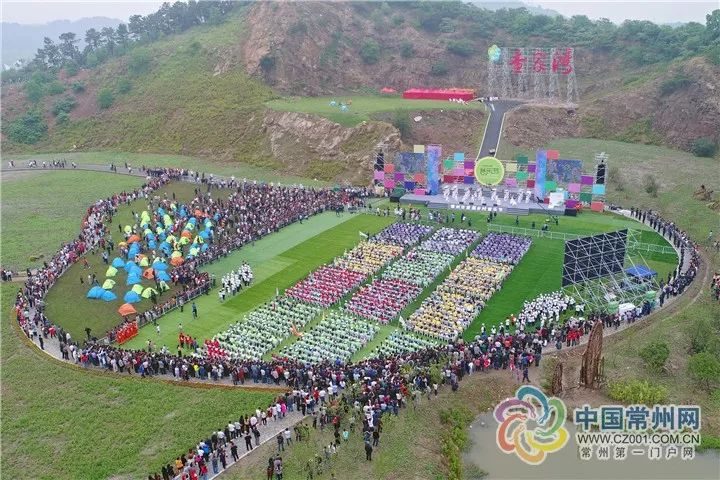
x=663, y=11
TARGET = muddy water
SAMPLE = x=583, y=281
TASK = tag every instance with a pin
x=565, y=464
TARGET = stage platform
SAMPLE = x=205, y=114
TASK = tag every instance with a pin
x=500, y=205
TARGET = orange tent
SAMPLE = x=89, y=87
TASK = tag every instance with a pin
x=177, y=261
x=133, y=239
x=149, y=273
x=126, y=309
x=186, y=234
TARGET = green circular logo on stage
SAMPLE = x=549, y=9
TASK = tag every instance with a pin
x=489, y=171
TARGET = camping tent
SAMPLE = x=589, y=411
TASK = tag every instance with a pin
x=164, y=286
x=133, y=239
x=132, y=279
x=147, y=293
x=129, y=264
x=131, y=297
x=162, y=276
x=177, y=261
x=118, y=262
x=111, y=271
x=109, y=296
x=137, y=289
x=126, y=309
x=95, y=292
x=159, y=265
x=144, y=262
x=108, y=284
x=149, y=273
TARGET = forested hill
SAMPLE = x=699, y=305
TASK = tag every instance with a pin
x=194, y=77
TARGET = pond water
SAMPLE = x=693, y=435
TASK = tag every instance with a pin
x=566, y=464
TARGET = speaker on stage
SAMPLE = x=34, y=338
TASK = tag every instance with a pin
x=380, y=161
x=570, y=212
x=600, y=175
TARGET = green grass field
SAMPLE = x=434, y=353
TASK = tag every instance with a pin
x=63, y=422
x=363, y=107
x=42, y=209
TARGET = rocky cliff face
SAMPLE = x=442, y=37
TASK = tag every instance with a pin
x=316, y=147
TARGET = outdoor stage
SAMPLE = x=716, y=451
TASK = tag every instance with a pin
x=515, y=202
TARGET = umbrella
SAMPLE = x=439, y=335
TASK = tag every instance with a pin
x=108, y=284
x=177, y=261
x=149, y=274
x=126, y=309
x=147, y=293
x=95, y=292
x=109, y=296
x=111, y=272
x=137, y=289
x=118, y=262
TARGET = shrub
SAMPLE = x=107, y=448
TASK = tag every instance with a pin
x=440, y=68
x=651, y=185
x=462, y=48
x=398, y=20
x=34, y=91
x=655, y=354
x=105, y=98
x=78, y=87
x=124, y=86
x=71, y=69
x=267, y=63
x=299, y=28
x=401, y=121
x=407, y=50
x=28, y=129
x=703, y=337
x=674, y=84
x=704, y=367
x=637, y=391
x=370, y=52
x=447, y=25
x=54, y=88
x=194, y=47
x=62, y=118
x=139, y=61
x=64, y=105
x=703, y=147
x=713, y=55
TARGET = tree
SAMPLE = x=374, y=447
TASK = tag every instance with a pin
x=703, y=147
x=651, y=185
x=655, y=354
x=136, y=26
x=704, y=367
x=370, y=52
x=67, y=46
x=122, y=35
x=52, y=52
x=34, y=91
x=105, y=98
x=139, y=61
x=108, y=35
x=92, y=38
x=712, y=25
